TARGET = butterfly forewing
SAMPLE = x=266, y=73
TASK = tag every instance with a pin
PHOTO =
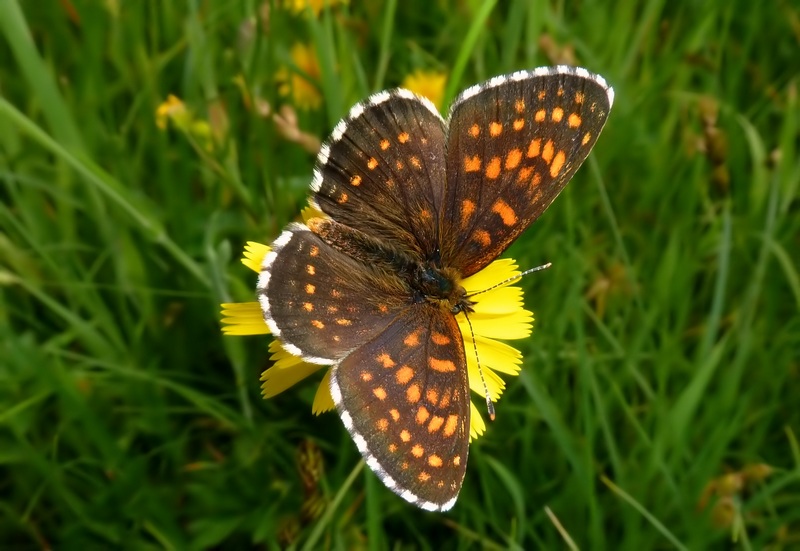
x=513, y=144
x=404, y=398
x=382, y=171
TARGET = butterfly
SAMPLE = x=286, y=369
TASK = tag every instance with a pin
x=414, y=203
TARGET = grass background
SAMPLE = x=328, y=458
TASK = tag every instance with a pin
x=666, y=352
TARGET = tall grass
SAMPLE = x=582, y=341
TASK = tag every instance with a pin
x=665, y=362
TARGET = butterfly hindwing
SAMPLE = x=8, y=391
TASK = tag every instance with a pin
x=404, y=398
x=321, y=302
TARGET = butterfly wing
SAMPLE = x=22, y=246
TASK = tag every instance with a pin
x=404, y=398
x=382, y=171
x=513, y=144
x=321, y=302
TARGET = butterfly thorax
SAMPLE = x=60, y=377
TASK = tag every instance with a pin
x=440, y=286
x=425, y=281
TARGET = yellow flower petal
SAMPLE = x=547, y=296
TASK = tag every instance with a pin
x=476, y=424
x=310, y=212
x=497, y=271
x=254, y=254
x=243, y=318
x=281, y=358
x=429, y=84
x=495, y=355
x=301, y=84
x=512, y=326
x=275, y=380
x=323, y=401
x=314, y=6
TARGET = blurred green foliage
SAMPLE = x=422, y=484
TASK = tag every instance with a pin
x=658, y=404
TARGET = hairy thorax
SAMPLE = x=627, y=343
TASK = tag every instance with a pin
x=440, y=286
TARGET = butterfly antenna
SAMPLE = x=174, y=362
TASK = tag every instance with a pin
x=489, y=404
x=511, y=279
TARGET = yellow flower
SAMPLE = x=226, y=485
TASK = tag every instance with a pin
x=174, y=111
x=429, y=84
x=498, y=314
x=315, y=6
x=300, y=83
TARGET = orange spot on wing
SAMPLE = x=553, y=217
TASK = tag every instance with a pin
x=308, y=307
x=472, y=164
x=524, y=174
x=395, y=414
x=432, y=396
x=519, y=124
x=536, y=180
x=372, y=163
x=422, y=414
x=413, y=393
x=405, y=436
x=548, y=151
x=355, y=180
x=310, y=270
x=392, y=448
x=379, y=392
x=467, y=209
x=366, y=376
x=423, y=477
x=542, y=94
x=579, y=97
x=314, y=251
x=482, y=237
x=385, y=360
x=457, y=460
x=436, y=423
x=412, y=339
x=519, y=105
x=540, y=115
x=404, y=375
x=534, y=148
x=586, y=138
x=474, y=130
x=434, y=460
x=495, y=129
x=384, y=144
x=417, y=451
x=558, y=164
x=342, y=199
x=399, y=165
x=403, y=137
x=506, y=213
x=442, y=366
x=493, y=168
x=382, y=424
x=574, y=120
x=344, y=321
x=513, y=159
x=415, y=162
x=445, y=401
x=557, y=114
x=318, y=324
x=451, y=425
x=440, y=338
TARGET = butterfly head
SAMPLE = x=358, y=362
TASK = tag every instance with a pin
x=442, y=287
